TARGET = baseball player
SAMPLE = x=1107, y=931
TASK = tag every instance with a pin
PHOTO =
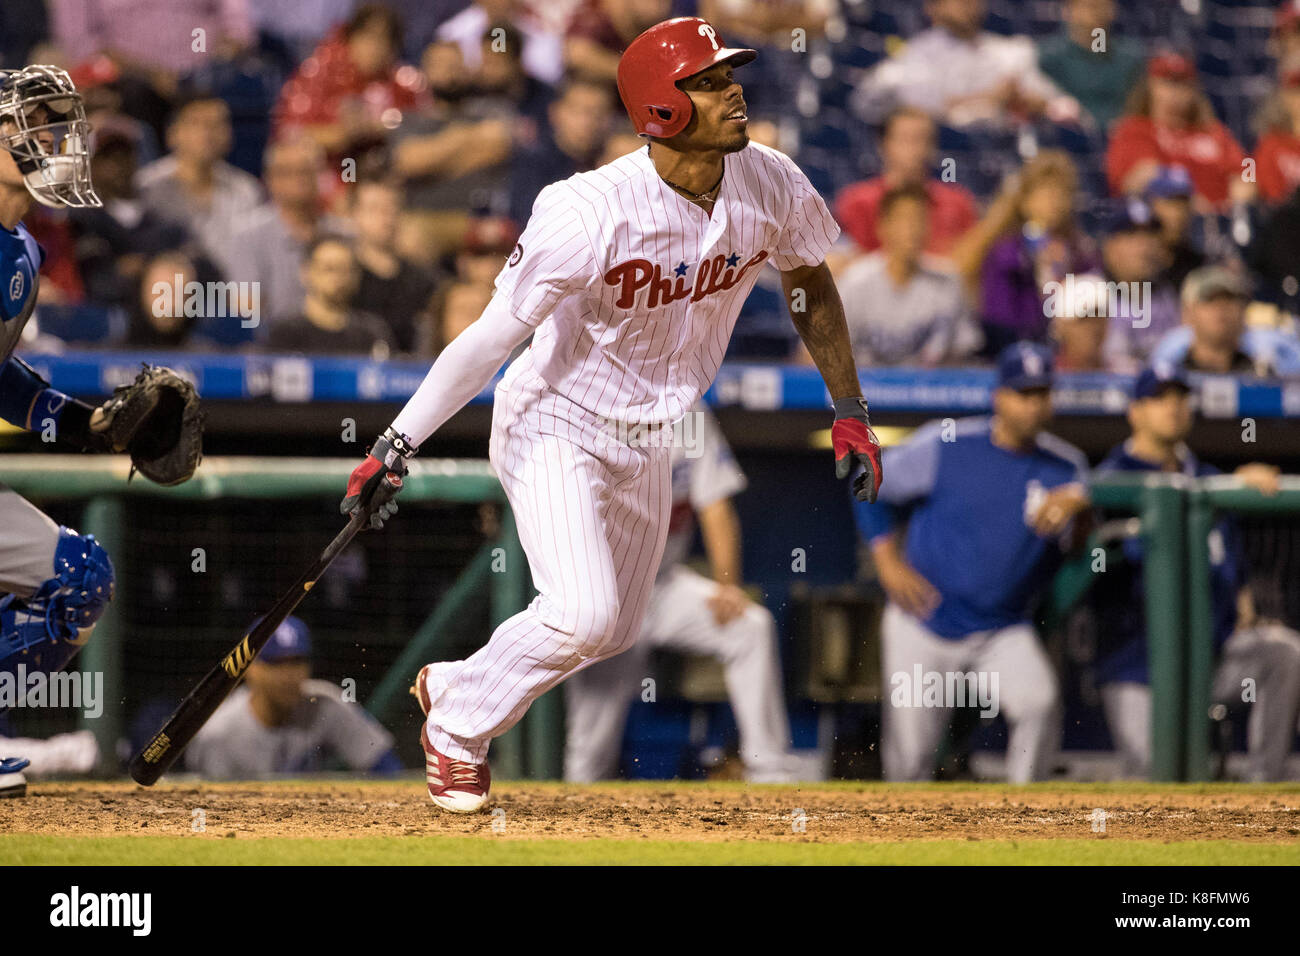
x=990, y=506
x=1266, y=653
x=695, y=614
x=629, y=278
x=54, y=582
x=282, y=721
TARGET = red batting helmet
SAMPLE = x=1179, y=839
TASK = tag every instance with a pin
x=653, y=63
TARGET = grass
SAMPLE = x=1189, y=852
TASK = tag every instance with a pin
x=28, y=850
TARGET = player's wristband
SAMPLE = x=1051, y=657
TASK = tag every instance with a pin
x=71, y=421
x=392, y=445
x=853, y=407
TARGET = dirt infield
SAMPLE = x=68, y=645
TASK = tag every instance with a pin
x=669, y=811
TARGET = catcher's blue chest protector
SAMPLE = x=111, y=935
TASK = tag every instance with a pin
x=20, y=263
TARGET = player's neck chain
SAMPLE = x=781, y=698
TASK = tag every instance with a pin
x=709, y=195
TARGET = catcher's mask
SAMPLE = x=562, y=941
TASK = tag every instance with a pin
x=43, y=126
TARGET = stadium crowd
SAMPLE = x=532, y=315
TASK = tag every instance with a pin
x=362, y=169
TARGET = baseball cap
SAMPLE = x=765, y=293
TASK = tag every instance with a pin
x=1025, y=365
x=1209, y=282
x=1171, y=182
x=1172, y=66
x=1156, y=378
x=1128, y=215
x=291, y=639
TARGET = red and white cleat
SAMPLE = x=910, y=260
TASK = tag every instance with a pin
x=455, y=785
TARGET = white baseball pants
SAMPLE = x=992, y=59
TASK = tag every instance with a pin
x=592, y=514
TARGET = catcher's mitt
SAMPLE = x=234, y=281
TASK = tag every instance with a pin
x=157, y=421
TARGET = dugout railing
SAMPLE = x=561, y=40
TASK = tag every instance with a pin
x=498, y=568
x=1175, y=515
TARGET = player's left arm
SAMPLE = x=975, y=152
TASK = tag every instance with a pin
x=818, y=315
x=28, y=401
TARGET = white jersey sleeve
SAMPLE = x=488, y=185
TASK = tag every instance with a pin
x=810, y=229
x=714, y=475
x=553, y=259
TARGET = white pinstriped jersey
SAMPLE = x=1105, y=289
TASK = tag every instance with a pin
x=634, y=290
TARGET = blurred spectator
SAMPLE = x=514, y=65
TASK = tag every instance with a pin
x=1169, y=194
x=454, y=156
x=299, y=24
x=1286, y=36
x=570, y=143
x=600, y=30
x=351, y=91
x=543, y=49
x=1141, y=303
x=483, y=250
x=460, y=305
x=501, y=76
x=961, y=74
x=152, y=324
x=23, y=24
x=907, y=153
x=193, y=185
x=900, y=307
x=1214, y=337
x=620, y=144
x=1079, y=329
x=1170, y=122
x=1090, y=62
x=60, y=273
x=389, y=286
x=281, y=721
x=268, y=250
x=1275, y=253
x=1027, y=239
x=1160, y=416
x=1278, y=152
x=767, y=22
x=151, y=43
x=113, y=243
x=327, y=322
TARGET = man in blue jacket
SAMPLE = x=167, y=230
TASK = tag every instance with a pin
x=990, y=505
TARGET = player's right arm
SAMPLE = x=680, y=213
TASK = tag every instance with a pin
x=553, y=259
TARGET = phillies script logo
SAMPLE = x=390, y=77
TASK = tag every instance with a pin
x=714, y=275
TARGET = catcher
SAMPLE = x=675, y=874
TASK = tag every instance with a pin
x=54, y=582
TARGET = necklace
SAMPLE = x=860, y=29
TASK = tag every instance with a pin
x=697, y=197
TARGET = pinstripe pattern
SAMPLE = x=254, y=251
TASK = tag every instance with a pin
x=634, y=293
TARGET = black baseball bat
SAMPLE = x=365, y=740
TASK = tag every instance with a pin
x=200, y=703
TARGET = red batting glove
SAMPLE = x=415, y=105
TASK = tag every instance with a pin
x=855, y=443
x=387, y=455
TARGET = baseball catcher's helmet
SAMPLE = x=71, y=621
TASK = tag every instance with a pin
x=43, y=127
x=653, y=63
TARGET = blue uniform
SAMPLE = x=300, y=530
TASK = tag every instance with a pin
x=54, y=582
x=968, y=504
x=25, y=400
x=1119, y=597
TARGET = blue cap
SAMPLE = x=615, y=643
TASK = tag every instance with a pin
x=1154, y=379
x=291, y=639
x=1025, y=365
x=1128, y=215
x=1172, y=182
